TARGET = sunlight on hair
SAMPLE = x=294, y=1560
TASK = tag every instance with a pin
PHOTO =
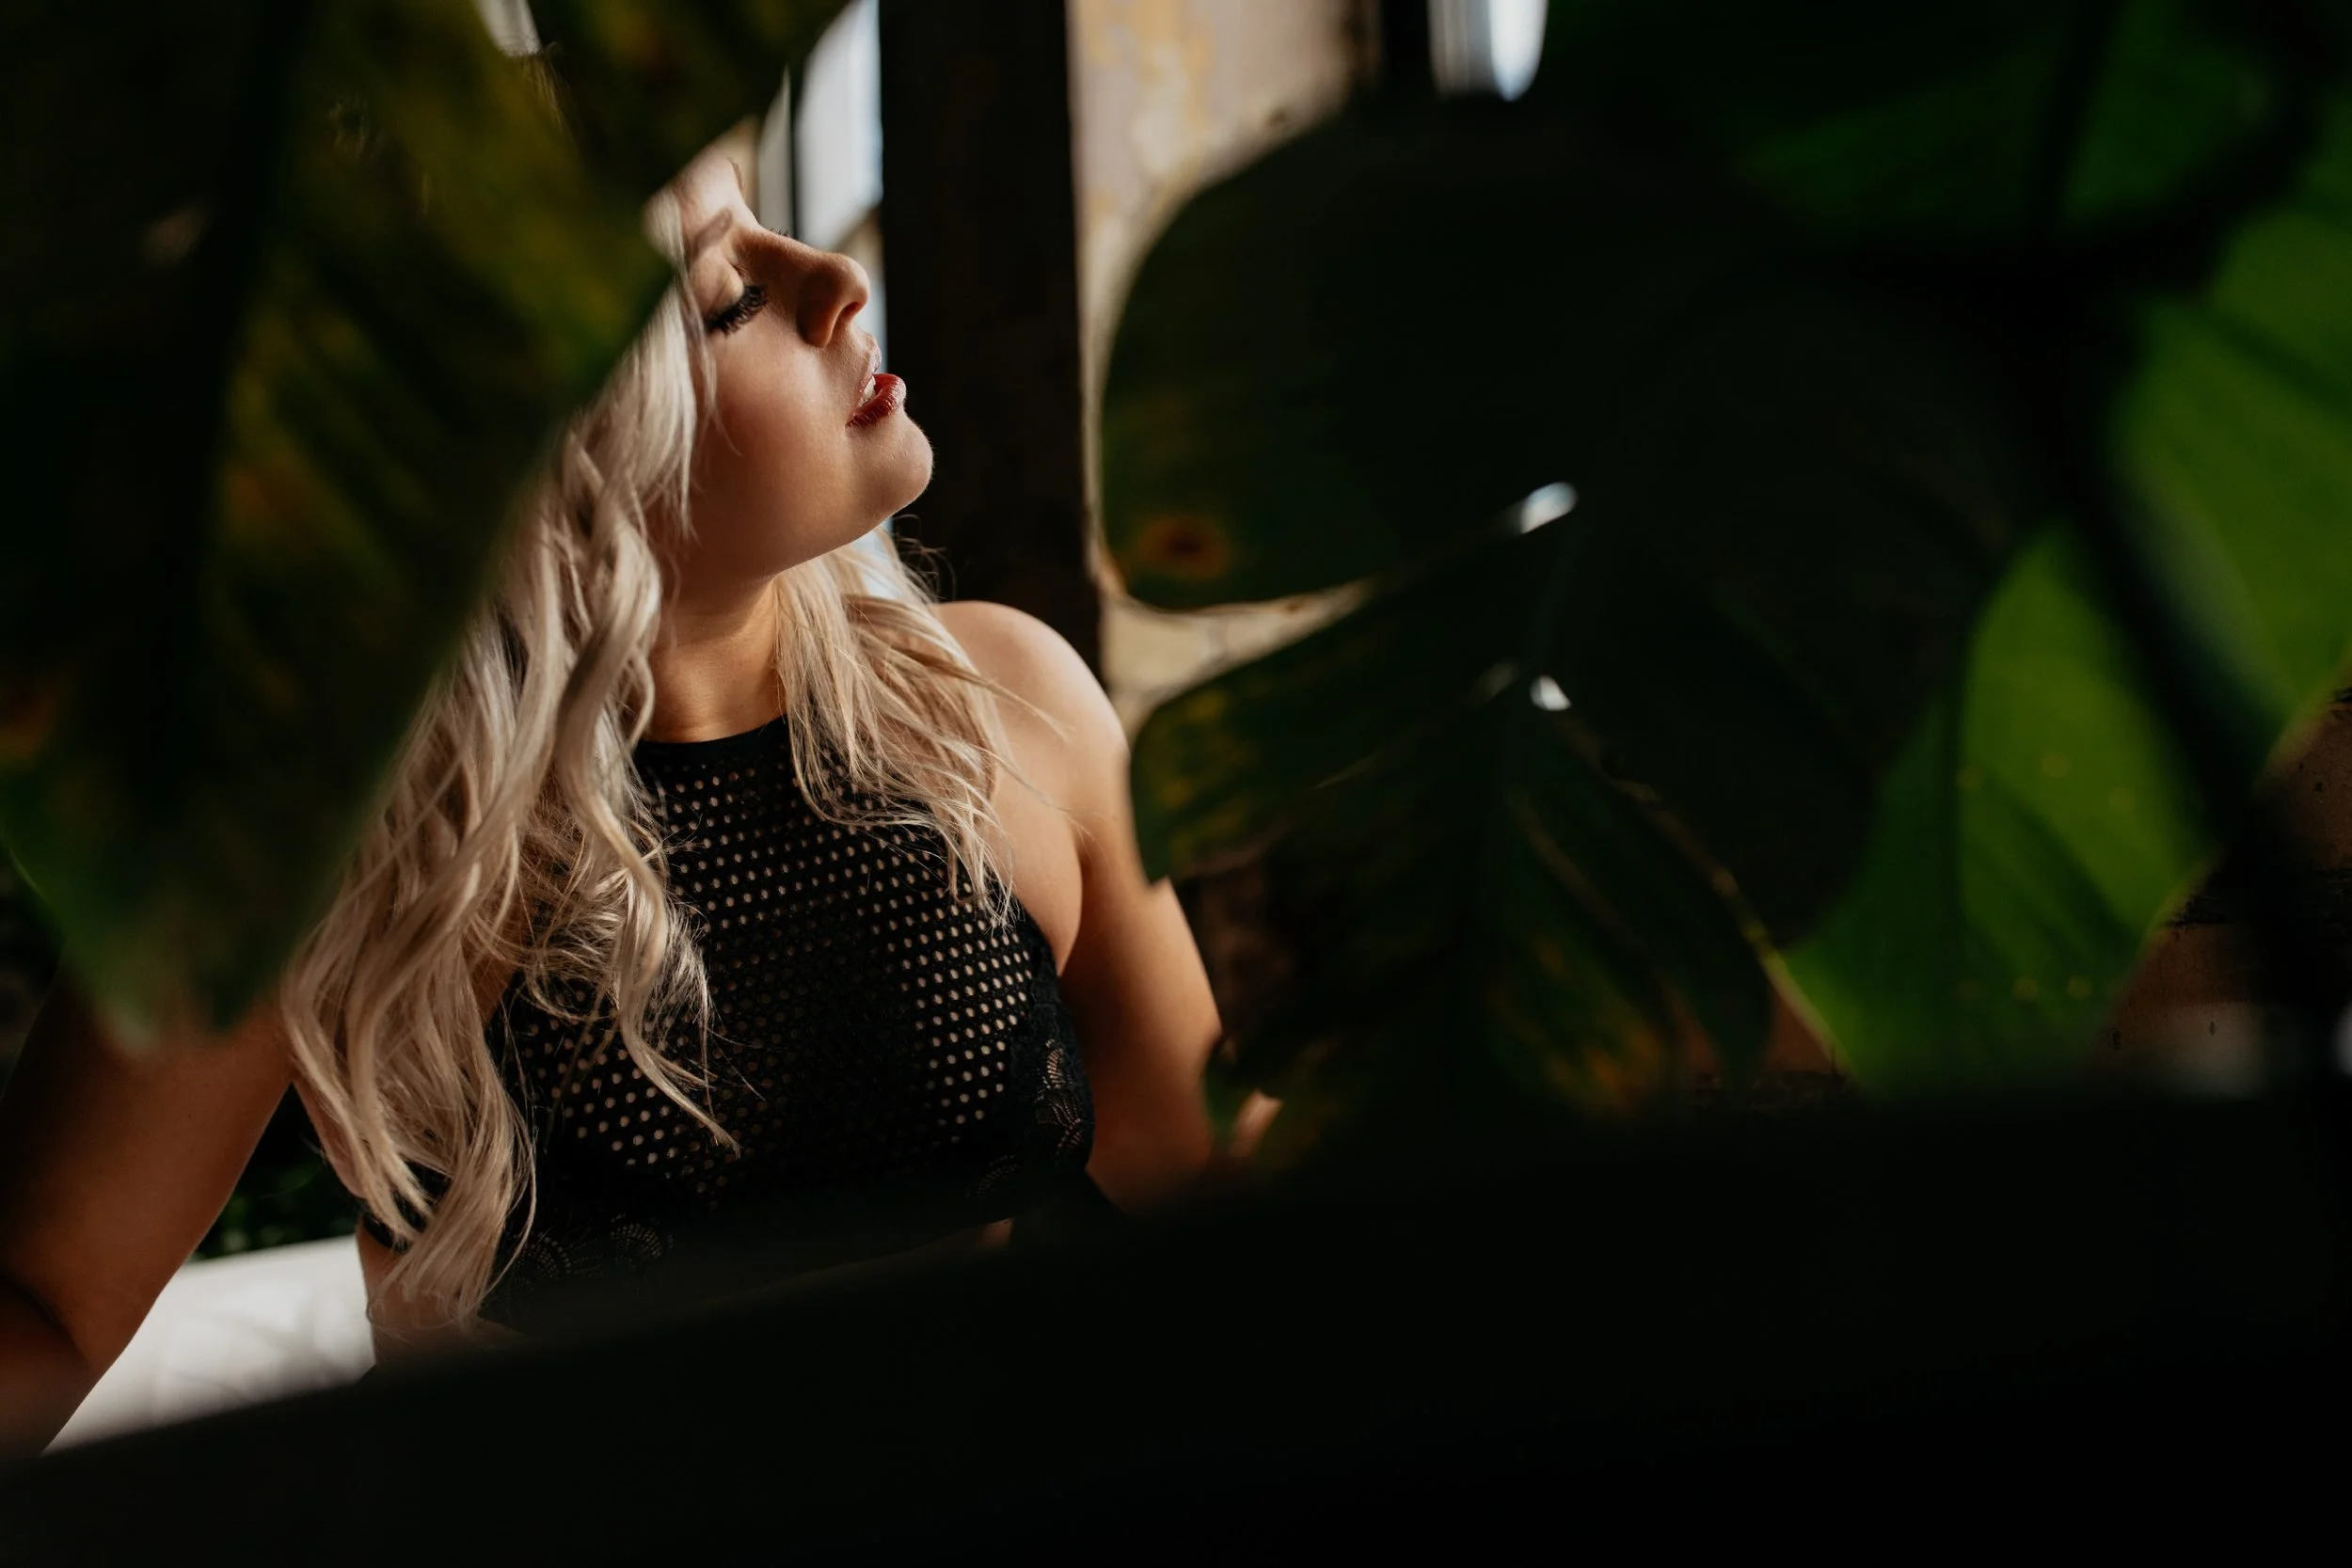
x=510, y=25
x=516, y=838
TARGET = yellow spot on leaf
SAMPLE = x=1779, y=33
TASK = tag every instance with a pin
x=2026, y=989
x=1206, y=706
x=1184, y=546
x=2056, y=766
x=29, y=711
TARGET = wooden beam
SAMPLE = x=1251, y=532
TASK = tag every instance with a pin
x=980, y=252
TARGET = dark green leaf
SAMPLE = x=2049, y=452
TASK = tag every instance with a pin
x=1819, y=347
x=2025, y=847
x=1978, y=126
x=647, y=87
x=1324, y=305
x=1468, y=901
x=1793, y=502
x=275, y=387
x=2025, y=842
x=255, y=618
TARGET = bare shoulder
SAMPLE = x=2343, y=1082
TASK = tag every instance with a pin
x=1062, y=738
x=1038, y=665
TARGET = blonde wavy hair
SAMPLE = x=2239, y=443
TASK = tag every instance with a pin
x=515, y=838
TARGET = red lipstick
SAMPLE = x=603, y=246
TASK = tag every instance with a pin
x=888, y=395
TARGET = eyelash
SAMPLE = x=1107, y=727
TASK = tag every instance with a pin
x=728, y=317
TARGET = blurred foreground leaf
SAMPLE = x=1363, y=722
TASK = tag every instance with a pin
x=2046, y=816
x=1828, y=355
x=307, y=291
x=645, y=88
x=1789, y=505
x=1462, y=872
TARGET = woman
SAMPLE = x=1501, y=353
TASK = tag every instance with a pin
x=725, y=889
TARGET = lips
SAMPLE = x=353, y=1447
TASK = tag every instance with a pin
x=884, y=395
x=881, y=396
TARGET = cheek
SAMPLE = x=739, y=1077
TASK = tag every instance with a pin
x=780, y=478
x=766, y=474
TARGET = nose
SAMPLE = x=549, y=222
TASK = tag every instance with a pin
x=826, y=289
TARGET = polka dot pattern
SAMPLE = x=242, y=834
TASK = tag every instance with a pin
x=870, y=1032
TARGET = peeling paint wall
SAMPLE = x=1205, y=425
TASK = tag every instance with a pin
x=1167, y=95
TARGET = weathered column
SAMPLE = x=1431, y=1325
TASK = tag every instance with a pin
x=1168, y=95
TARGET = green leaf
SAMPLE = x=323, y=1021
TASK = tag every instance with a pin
x=2025, y=842
x=1450, y=865
x=1792, y=512
x=1983, y=125
x=1320, y=307
x=1791, y=505
x=275, y=387
x=2233, y=445
x=2022, y=856
x=1821, y=349
x=647, y=87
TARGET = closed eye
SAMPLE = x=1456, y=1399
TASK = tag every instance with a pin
x=742, y=308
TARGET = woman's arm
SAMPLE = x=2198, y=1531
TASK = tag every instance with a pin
x=112, y=1167
x=1131, y=975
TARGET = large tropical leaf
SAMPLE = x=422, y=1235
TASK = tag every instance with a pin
x=1791, y=505
x=2046, y=808
x=2040, y=818
x=645, y=88
x=1829, y=352
x=1983, y=127
x=297, y=294
x=1459, y=867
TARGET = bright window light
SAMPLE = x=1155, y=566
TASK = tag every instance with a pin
x=1547, y=505
x=1485, y=46
x=1516, y=35
x=838, y=130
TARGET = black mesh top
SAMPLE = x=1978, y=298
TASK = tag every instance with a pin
x=894, y=1064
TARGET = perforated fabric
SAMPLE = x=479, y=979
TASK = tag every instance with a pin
x=894, y=1064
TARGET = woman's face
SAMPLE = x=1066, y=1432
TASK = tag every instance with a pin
x=804, y=447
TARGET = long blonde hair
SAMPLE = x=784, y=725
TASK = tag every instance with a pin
x=515, y=838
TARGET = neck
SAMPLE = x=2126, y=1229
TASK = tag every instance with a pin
x=714, y=666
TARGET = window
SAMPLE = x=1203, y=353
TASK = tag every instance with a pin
x=1485, y=45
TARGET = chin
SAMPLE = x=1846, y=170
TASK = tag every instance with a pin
x=910, y=461
x=892, y=485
